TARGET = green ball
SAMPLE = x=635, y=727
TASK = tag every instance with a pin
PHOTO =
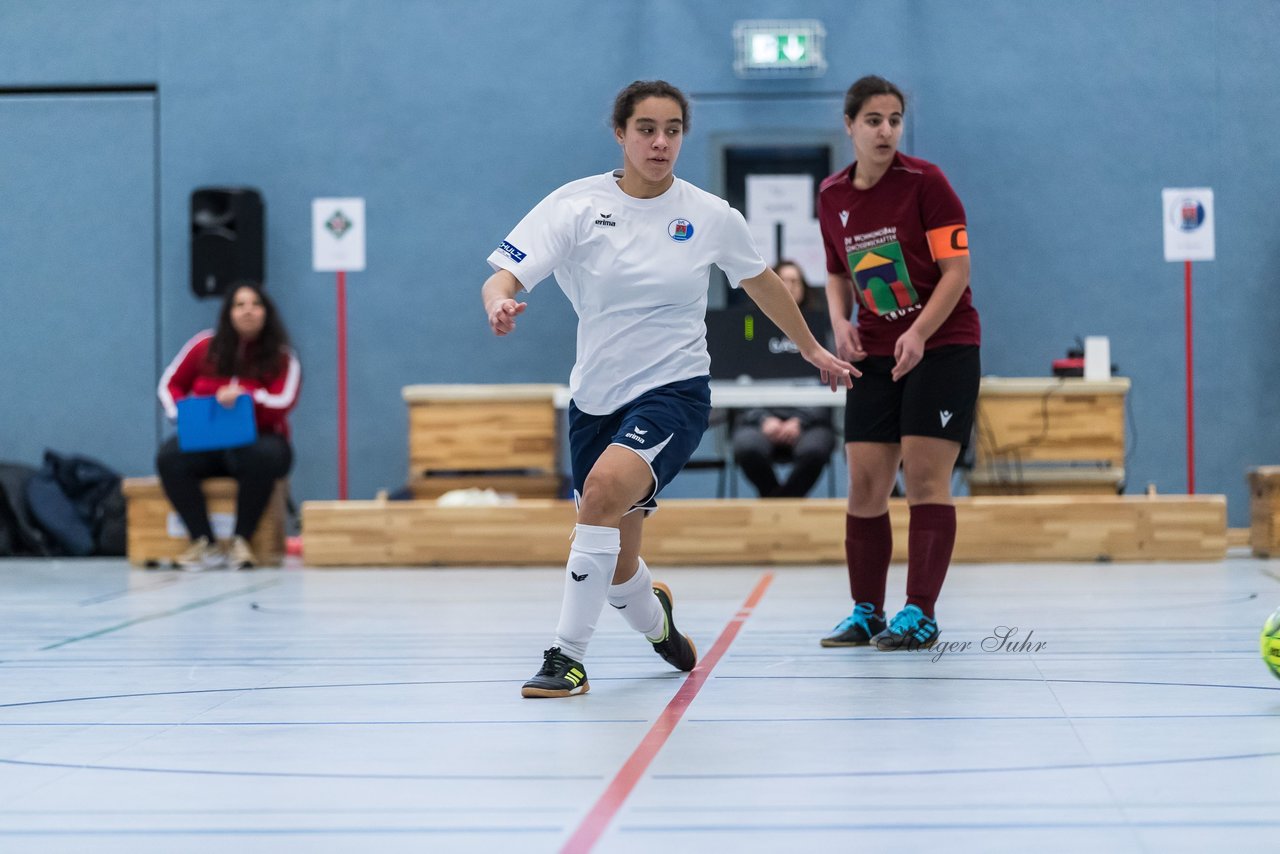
x=1271, y=643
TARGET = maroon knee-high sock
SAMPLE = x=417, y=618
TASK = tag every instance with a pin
x=868, y=548
x=931, y=537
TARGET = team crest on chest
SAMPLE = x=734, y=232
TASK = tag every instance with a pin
x=844, y=218
x=680, y=230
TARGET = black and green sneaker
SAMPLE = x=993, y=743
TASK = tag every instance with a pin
x=676, y=649
x=559, y=676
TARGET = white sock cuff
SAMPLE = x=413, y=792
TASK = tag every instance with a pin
x=596, y=539
x=642, y=580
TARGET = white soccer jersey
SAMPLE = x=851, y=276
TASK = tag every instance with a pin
x=636, y=271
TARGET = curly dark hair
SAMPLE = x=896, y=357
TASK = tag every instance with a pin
x=264, y=357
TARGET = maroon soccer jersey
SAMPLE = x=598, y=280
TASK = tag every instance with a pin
x=887, y=240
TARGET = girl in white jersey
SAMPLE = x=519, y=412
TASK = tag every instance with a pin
x=632, y=250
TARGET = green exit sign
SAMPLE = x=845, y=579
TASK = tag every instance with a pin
x=780, y=49
x=772, y=47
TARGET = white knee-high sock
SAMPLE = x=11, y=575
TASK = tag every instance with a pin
x=586, y=584
x=635, y=601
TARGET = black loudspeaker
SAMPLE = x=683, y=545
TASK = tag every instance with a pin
x=227, y=238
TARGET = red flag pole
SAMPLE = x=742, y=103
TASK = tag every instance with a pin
x=342, y=385
x=1191, y=407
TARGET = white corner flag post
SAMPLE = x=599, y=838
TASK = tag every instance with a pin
x=337, y=246
x=1188, y=236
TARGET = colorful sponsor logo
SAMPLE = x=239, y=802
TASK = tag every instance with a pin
x=1190, y=214
x=510, y=251
x=884, y=285
x=680, y=229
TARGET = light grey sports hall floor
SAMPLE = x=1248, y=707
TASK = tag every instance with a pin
x=379, y=711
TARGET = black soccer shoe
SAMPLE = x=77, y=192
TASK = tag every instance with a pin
x=909, y=629
x=559, y=676
x=676, y=649
x=858, y=628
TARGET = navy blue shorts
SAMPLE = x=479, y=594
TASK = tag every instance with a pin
x=663, y=426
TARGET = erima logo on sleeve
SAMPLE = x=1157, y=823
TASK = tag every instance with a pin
x=513, y=253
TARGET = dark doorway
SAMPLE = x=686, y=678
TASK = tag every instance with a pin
x=741, y=161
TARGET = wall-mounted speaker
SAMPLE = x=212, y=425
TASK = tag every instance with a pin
x=227, y=238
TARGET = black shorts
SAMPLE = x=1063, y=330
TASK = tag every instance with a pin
x=936, y=398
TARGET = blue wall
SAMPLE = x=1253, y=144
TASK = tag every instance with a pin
x=1057, y=123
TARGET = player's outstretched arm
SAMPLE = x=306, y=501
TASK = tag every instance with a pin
x=500, y=305
x=768, y=292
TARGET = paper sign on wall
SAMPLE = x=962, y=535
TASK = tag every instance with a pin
x=337, y=235
x=1188, y=224
x=779, y=198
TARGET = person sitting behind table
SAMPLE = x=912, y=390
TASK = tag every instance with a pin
x=802, y=436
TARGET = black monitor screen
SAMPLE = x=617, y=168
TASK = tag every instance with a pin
x=745, y=342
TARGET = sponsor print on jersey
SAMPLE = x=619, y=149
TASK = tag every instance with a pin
x=884, y=285
x=511, y=251
x=680, y=229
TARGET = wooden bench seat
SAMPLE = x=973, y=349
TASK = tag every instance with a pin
x=1264, y=510
x=1046, y=480
x=532, y=485
x=156, y=535
x=769, y=531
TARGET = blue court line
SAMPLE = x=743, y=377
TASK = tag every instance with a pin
x=298, y=775
x=1017, y=679
x=120, y=594
x=283, y=811
x=188, y=607
x=672, y=677
x=283, y=831
x=522, y=721
x=916, y=718
x=934, y=806
x=930, y=772
x=949, y=826
x=248, y=690
x=179, y=724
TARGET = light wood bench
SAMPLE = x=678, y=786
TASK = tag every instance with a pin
x=1049, y=436
x=1046, y=480
x=536, y=485
x=1264, y=510
x=999, y=529
x=500, y=437
x=155, y=535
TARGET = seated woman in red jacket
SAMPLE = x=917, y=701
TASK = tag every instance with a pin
x=248, y=354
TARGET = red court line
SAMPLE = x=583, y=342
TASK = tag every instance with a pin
x=598, y=819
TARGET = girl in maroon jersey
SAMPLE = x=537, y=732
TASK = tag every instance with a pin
x=898, y=254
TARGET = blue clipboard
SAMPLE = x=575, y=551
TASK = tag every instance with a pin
x=206, y=425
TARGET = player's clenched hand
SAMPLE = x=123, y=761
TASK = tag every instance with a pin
x=835, y=373
x=502, y=315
